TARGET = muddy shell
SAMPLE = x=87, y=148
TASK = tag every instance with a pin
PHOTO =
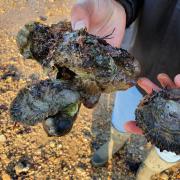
x=158, y=115
x=44, y=99
x=59, y=124
x=81, y=66
x=55, y=103
x=83, y=55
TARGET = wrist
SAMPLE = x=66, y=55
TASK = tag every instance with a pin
x=119, y=16
x=132, y=8
x=119, y=7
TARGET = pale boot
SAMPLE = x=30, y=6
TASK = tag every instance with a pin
x=152, y=165
x=106, y=151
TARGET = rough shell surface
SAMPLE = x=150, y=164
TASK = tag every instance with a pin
x=159, y=117
x=45, y=99
x=85, y=56
x=83, y=65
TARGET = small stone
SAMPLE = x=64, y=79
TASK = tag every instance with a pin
x=22, y=167
x=34, y=77
x=2, y=138
x=65, y=169
x=38, y=152
x=3, y=107
x=4, y=158
x=82, y=166
x=43, y=18
x=59, y=146
x=12, y=73
x=178, y=176
x=5, y=176
x=80, y=170
x=164, y=176
x=52, y=144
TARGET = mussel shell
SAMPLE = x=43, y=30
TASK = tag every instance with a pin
x=58, y=125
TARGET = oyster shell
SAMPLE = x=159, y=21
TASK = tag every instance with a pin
x=88, y=57
x=44, y=99
x=158, y=115
x=84, y=66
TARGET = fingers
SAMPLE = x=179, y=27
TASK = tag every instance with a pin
x=147, y=85
x=177, y=80
x=131, y=127
x=80, y=17
x=165, y=81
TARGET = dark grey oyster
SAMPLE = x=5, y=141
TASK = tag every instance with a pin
x=84, y=66
x=79, y=54
x=45, y=99
x=158, y=115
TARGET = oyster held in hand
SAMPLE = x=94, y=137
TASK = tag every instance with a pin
x=79, y=54
x=158, y=115
x=83, y=66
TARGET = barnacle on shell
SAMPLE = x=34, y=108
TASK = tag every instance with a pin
x=158, y=115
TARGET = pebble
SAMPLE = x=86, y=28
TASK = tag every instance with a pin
x=4, y=158
x=85, y=140
x=34, y=76
x=52, y=144
x=164, y=176
x=5, y=176
x=38, y=152
x=2, y=138
x=80, y=170
x=59, y=146
x=21, y=167
x=3, y=107
x=43, y=18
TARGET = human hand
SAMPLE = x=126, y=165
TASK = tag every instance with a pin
x=100, y=17
x=149, y=86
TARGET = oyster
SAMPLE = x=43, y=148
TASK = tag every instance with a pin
x=82, y=65
x=79, y=55
x=158, y=115
x=44, y=99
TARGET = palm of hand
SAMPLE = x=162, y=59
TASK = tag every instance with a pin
x=149, y=86
x=101, y=18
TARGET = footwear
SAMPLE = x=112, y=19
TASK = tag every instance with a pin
x=152, y=165
x=106, y=151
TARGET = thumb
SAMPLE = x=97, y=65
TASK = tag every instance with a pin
x=80, y=16
x=177, y=80
x=131, y=127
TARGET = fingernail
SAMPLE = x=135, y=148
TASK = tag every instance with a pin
x=178, y=77
x=177, y=80
x=140, y=80
x=79, y=25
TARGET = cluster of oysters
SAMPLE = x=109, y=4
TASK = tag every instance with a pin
x=81, y=66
